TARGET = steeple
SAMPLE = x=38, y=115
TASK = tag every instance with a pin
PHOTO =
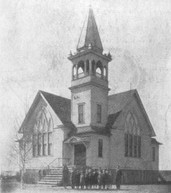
x=89, y=36
x=89, y=85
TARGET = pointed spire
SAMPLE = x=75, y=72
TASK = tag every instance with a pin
x=90, y=37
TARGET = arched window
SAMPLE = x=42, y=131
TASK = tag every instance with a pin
x=42, y=134
x=132, y=136
x=87, y=66
x=80, y=69
x=74, y=72
x=93, y=67
x=99, y=69
x=104, y=72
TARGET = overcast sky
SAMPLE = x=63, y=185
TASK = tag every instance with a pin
x=36, y=37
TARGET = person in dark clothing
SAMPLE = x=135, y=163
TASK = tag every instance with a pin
x=86, y=179
x=118, y=177
x=82, y=180
x=95, y=178
x=73, y=174
x=99, y=178
x=77, y=179
x=90, y=179
x=110, y=179
x=65, y=176
x=103, y=179
x=107, y=179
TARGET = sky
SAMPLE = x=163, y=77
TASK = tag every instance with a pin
x=36, y=37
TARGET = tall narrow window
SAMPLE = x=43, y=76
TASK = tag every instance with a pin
x=133, y=143
x=135, y=146
x=126, y=145
x=100, y=148
x=153, y=154
x=81, y=113
x=39, y=140
x=130, y=145
x=49, y=143
x=34, y=141
x=139, y=146
x=44, y=143
x=99, y=113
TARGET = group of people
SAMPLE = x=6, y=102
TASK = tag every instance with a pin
x=91, y=178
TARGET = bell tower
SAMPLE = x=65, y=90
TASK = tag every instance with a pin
x=89, y=86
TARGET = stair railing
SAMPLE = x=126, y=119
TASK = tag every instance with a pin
x=60, y=162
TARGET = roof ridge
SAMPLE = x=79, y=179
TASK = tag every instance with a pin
x=44, y=92
x=132, y=90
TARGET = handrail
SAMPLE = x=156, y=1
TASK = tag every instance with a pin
x=48, y=166
x=51, y=162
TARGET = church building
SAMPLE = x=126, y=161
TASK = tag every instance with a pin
x=93, y=128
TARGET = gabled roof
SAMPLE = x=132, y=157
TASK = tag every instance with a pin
x=60, y=105
x=120, y=100
x=90, y=34
x=111, y=120
x=62, y=108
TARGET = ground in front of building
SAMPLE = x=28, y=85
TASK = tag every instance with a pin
x=124, y=189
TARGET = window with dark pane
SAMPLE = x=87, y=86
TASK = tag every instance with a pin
x=99, y=113
x=132, y=137
x=49, y=143
x=39, y=144
x=81, y=113
x=34, y=143
x=100, y=148
x=44, y=143
x=126, y=145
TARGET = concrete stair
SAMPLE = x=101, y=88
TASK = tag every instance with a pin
x=54, y=177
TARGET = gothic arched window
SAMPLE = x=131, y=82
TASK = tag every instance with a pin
x=42, y=134
x=132, y=136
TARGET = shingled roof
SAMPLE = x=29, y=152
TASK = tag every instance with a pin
x=60, y=105
x=90, y=34
x=118, y=101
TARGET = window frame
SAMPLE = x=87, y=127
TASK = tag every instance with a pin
x=81, y=113
x=100, y=148
x=132, y=137
x=99, y=113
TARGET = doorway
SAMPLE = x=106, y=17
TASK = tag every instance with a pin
x=80, y=154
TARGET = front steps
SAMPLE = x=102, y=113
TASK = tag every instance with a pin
x=54, y=177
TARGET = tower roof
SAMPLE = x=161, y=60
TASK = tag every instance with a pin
x=89, y=37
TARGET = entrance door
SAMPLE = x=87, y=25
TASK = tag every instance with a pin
x=79, y=154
